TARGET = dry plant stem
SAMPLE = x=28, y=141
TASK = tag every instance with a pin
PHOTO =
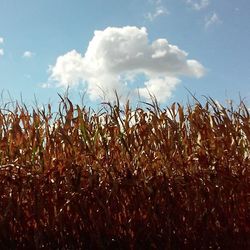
x=173, y=178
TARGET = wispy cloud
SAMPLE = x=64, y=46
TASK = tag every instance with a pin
x=198, y=5
x=46, y=85
x=156, y=1
x=158, y=10
x=1, y=50
x=211, y=20
x=28, y=54
x=116, y=56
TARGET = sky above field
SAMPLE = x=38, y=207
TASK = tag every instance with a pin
x=136, y=47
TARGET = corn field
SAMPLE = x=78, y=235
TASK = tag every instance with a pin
x=123, y=178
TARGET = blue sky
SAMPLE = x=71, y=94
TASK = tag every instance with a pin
x=94, y=47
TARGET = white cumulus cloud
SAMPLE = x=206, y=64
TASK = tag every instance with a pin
x=28, y=54
x=162, y=88
x=116, y=56
x=198, y=4
x=1, y=52
x=1, y=40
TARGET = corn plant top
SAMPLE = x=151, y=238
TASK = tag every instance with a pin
x=173, y=178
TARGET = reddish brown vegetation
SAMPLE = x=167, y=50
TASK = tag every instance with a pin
x=171, y=179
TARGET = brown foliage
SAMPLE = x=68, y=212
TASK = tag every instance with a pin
x=123, y=179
